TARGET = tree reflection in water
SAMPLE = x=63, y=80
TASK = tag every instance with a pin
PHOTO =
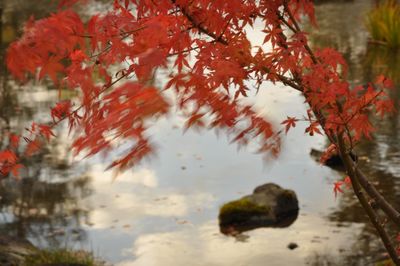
x=44, y=206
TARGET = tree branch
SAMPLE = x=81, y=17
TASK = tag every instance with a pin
x=379, y=199
x=356, y=175
x=351, y=171
x=198, y=26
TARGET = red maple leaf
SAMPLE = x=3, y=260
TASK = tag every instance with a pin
x=8, y=157
x=32, y=147
x=331, y=150
x=61, y=110
x=51, y=68
x=347, y=181
x=14, y=140
x=313, y=128
x=289, y=122
x=337, y=187
x=15, y=170
x=46, y=131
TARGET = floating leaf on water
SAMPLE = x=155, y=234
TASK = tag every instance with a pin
x=56, y=232
x=182, y=222
x=89, y=223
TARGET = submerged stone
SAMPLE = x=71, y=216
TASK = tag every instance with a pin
x=268, y=206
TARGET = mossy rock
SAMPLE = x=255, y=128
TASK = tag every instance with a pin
x=268, y=206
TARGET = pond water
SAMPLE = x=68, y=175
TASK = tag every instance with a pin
x=164, y=212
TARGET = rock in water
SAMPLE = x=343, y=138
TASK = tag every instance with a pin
x=268, y=206
x=334, y=162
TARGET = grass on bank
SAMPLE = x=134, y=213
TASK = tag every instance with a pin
x=62, y=256
x=383, y=23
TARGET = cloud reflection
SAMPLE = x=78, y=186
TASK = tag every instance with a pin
x=203, y=245
x=134, y=196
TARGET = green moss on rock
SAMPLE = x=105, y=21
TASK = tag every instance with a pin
x=243, y=204
x=235, y=212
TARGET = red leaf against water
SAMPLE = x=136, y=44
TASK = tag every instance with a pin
x=46, y=131
x=362, y=126
x=289, y=122
x=331, y=150
x=14, y=140
x=15, y=170
x=32, y=147
x=8, y=157
x=313, y=128
x=61, y=110
x=337, y=187
x=195, y=120
x=384, y=81
x=274, y=35
x=347, y=181
x=384, y=107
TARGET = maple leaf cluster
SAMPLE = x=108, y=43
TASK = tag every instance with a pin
x=204, y=47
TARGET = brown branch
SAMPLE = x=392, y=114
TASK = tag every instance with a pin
x=76, y=110
x=198, y=25
x=287, y=23
x=391, y=212
x=358, y=178
x=298, y=29
x=351, y=171
x=122, y=34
